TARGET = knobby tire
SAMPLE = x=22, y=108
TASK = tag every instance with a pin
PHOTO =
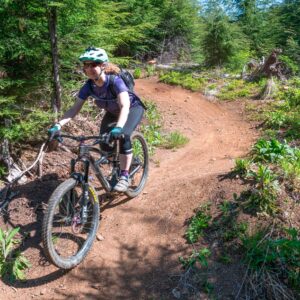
x=134, y=191
x=47, y=238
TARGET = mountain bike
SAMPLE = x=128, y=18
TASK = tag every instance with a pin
x=71, y=219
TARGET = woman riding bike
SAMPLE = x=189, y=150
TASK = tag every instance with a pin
x=121, y=105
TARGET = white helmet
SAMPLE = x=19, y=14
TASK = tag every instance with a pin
x=94, y=54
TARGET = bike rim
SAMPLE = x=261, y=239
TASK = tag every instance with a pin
x=70, y=236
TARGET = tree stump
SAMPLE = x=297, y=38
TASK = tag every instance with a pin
x=272, y=67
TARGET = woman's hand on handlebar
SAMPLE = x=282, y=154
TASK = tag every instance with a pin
x=116, y=133
x=54, y=131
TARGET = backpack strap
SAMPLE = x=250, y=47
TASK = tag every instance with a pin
x=111, y=79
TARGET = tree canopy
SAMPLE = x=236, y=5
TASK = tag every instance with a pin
x=213, y=33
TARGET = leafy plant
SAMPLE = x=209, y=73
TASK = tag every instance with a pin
x=137, y=73
x=225, y=259
x=238, y=88
x=237, y=231
x=292, y=66
x=225, y=207
x=12, y=263
x=291, y=167
x=197, y=256
x=280, y=255
x=242, y=166
x=175, y=140
x=264, y=194
x=151, y=129
x=197, y=224
x=270, y=151
x=3, y=171
x=292, y=95
x=150, y=70
x=184, y=79
x=276, y=119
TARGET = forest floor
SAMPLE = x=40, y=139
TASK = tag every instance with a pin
x=143, y=237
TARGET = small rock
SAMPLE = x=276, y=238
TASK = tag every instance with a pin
x=100, y=237
x=42, y=292
x=176, y=293
x=215, y=244
x=96, y=286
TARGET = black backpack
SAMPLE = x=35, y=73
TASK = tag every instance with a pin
x=128, y=80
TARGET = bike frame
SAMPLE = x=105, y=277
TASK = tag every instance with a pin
x=89, y=161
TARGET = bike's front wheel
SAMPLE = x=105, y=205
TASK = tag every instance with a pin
x=67, y=236
x=138, y=172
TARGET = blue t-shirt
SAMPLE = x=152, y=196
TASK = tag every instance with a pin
x=103, y=95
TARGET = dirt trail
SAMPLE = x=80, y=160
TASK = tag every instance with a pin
x=144, y=236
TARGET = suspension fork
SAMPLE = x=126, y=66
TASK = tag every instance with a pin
x=85, y=185
x=83, y=179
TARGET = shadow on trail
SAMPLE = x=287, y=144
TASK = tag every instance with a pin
x=26, y=210
x=139, y=271
x=134, y=276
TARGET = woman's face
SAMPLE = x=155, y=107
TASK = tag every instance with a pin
x=92, y=69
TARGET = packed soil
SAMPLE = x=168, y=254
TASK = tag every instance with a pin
x=136, y=256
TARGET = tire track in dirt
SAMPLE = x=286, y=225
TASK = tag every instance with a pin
x=144, y=236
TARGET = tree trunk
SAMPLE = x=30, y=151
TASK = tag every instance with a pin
x=56, y=99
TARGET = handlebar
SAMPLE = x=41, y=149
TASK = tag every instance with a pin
x=102, y=138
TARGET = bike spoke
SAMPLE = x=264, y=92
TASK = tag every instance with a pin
x=68, y=233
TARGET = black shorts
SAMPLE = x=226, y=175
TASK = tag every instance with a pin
x=134, y=118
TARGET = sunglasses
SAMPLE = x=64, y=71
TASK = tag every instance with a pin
x=92, y=65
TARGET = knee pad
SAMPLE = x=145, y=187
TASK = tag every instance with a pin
x=125, y=145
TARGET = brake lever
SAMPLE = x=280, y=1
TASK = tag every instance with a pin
x=107, y=139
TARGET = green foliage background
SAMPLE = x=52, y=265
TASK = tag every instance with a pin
x=205, y=32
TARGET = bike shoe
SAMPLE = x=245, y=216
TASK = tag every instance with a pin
x=122, y=184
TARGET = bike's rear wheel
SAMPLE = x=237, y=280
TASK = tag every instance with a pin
x=139, y=168
x=66, y=238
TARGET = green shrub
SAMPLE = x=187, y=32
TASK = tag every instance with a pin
x=137, y=73
x=12, y=263
x=264, y=194
x=292, y=95
x=291, y=167
x=292, y=66
x=238, y=60
x=197, y=256
x=184, y=79
x=242, y=166
x=270, y=151
x=150, y=70
x=238, y=88
x=276, y=119
x=151, y=129
x=174, y=140
x=280, y=255
x=197, y=224
x=238, y=230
